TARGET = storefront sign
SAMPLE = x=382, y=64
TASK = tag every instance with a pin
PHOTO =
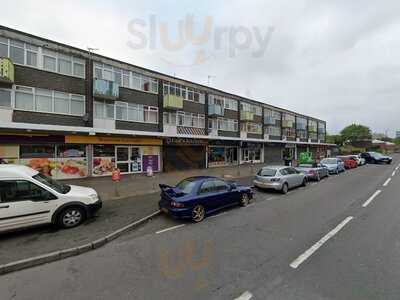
x=223, y=143
x=31, y=139
x=150, y=161
x=77, y=139
x=185, y=141
x=250, y=145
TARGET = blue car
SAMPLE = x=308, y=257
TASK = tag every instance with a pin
x=196, y=197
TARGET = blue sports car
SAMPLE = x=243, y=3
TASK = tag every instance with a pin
x=196, y=197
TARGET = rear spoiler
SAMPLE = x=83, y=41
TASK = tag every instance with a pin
x=164, y=186
x=172, y=191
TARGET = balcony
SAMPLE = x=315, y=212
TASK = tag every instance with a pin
x=215, y=110
x=173, y=102
x=287, y=123
x=246, y=116
x=6, y=72
x=105, y=89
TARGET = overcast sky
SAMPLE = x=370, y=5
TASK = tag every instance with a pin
x=335, y=60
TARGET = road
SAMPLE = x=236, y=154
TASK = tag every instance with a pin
x=338, y=239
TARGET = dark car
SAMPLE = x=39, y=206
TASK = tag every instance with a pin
x=376, y=158
x=196, y=197
x=313, y=171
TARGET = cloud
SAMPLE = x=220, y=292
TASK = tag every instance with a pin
x=336, y=60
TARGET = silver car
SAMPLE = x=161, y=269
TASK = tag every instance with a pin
x=280, y=178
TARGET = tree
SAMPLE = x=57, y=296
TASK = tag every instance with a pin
x=334, y=139
x=356, y=133
x=397, y=141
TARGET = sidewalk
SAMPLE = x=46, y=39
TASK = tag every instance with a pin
x=139, y=184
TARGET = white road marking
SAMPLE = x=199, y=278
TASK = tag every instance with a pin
x=372, y=198
x=245, y=296
x=170, y=228
x=250, y=205
x=394, y=173
x=387, y=182
x=218, y=215
x=303, y=257
x=270, y=198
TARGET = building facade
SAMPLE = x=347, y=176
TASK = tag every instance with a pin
x=70, y=114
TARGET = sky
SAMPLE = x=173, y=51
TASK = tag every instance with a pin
x=335, y=60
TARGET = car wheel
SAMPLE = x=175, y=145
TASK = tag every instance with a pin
x=244, y=200
x=318, y=177
x=285, y=188
x=198, y=213
x=337, y=171
x=71, y=217
x=304, y=183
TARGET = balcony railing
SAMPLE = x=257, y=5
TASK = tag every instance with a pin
x=173, y=102
x=105, y=89
x=215, y=110
x=287, y=123
x=6, y=70
x=246, y=116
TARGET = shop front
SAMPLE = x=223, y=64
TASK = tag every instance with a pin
x=46, y=154
x=184, y=154
x=273, y=153
x=129, y=155
x=251, y=153
x=223, y=153
x=289, y=154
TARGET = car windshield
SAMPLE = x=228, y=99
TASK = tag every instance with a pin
x=267, y=172
x=186, y=185
x=329, y=161
x=51, y=183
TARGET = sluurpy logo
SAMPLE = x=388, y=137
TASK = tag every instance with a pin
x=204, y=41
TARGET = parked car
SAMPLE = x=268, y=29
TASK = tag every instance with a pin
x=28, y=198
x=376, y=158
x=349, y=162
x=196, y=197
x=280, y=178
x=313, y=171
x=361, y=161
x=334, y=165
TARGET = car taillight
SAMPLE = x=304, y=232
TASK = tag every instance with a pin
x=312, y=172
x=274, y=179
x=177, y=204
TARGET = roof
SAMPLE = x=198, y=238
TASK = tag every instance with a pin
x=9, y=171
x=275, y=167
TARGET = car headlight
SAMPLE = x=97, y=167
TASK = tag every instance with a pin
x=94, y=197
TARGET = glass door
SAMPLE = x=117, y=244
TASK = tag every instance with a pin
x=122, y=158
x=135, y=160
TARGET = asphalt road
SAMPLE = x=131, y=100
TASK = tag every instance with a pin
x=330, y=240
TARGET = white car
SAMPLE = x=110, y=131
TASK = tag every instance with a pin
x=28, y=198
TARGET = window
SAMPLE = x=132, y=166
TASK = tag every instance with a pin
x=273, y=131
x=41, y=100
x=207, y=187
x=3, y=47
x=220, y=186
x=17, y=52
x=251, y=128
x=61, y=103
x=64, y=64
x=227, y=124
x=186, y=93
x=5, y=98
x=79, y=67
x=31, y=55
x=21, y=190
x=231, y=104
x=49, y=60
x=301, y=123
x=125, y=78
x=23, y=98
x=44, y=100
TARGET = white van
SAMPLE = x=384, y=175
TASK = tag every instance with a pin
x=28, y=198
